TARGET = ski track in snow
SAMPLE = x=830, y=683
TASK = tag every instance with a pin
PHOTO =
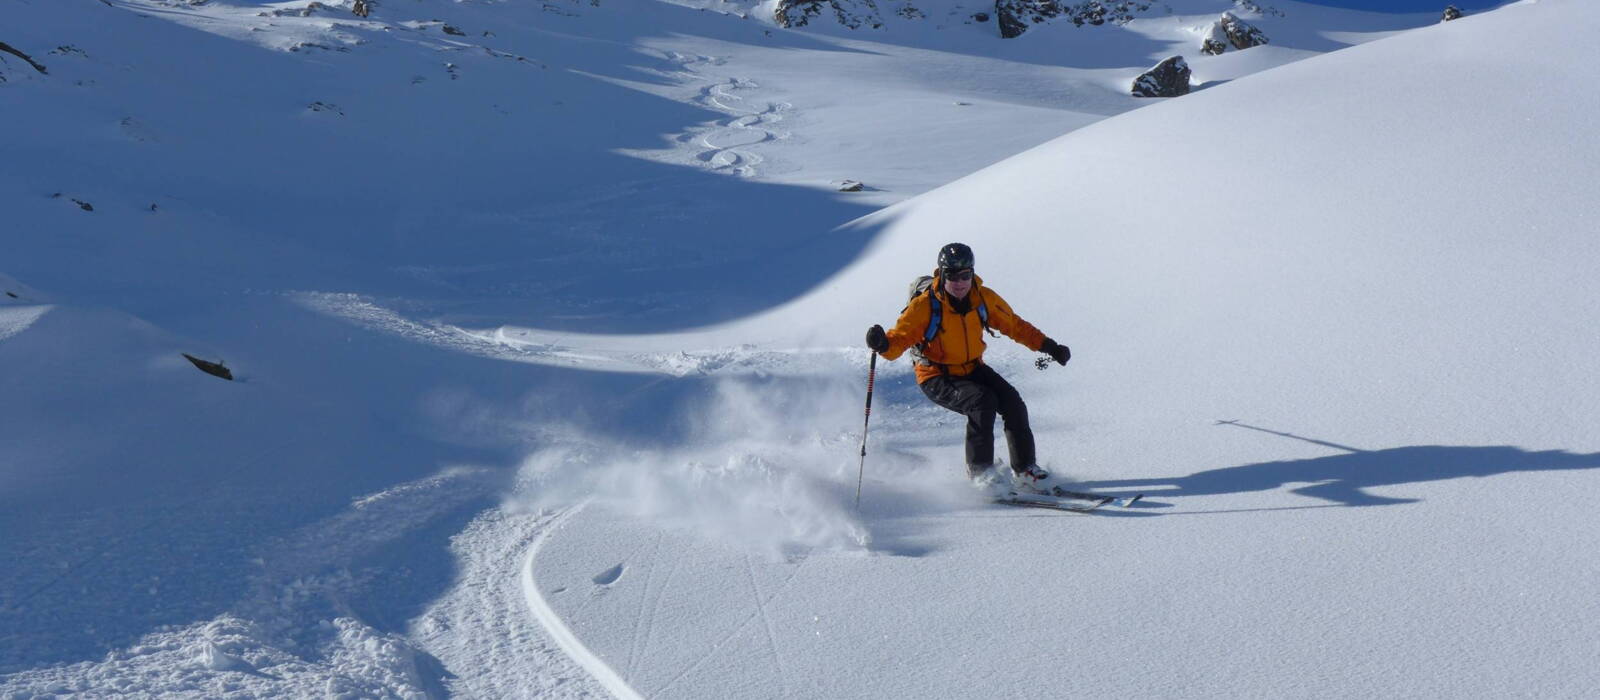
x=580, y=351
x=766, y=621
x=557, y=629
x=297, y=631
x=500, y=606
x=760, y=612
x=725, y=144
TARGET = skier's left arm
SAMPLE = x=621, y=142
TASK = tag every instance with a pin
x=1003, y=319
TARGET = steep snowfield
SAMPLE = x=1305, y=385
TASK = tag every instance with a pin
x=546, y=337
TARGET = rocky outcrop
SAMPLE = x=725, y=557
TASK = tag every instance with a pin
x=1170, y=78
x=306, y=11
x=7, y=48
x=1015, y=16
x=1239, y=33
x=1451, y=12
x=1215, y=41
x=854, y=14
x=1228, y=31
x=362, y=8
x=1257, y=8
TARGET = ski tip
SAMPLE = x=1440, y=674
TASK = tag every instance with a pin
x=1132, y=501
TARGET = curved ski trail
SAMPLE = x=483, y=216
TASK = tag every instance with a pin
x=725, y=144
x=557, y=628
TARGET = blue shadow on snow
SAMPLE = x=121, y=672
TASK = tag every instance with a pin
x=1342, y=480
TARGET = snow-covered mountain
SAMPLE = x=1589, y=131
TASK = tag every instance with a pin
x=544, y=324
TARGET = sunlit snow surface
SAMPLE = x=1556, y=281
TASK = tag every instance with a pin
x=546, y=334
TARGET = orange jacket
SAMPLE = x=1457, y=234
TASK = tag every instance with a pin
x=959, y=345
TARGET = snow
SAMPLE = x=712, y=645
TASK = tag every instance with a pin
x=546, y=338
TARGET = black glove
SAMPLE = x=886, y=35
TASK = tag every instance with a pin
x=1056, y=351
x=877, y=339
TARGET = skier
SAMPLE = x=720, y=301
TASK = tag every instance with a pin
x=945, y=324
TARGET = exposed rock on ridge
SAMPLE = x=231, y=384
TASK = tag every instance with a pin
x=854, y=14
x=1229, y=30
x=7, y=48
x=1015, y=16
x=1169, y=78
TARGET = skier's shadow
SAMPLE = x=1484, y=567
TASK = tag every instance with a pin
x=1342, y=480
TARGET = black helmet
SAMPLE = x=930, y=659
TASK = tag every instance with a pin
x=955, y=256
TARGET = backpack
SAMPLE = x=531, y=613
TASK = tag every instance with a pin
x=924, y=285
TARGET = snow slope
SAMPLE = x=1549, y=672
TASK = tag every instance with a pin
x=588, y=255
x=1334, y=318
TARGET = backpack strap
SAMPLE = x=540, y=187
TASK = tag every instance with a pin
x=935, y=316
x=983, y=316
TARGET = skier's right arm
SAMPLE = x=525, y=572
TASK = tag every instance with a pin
x=907, y=331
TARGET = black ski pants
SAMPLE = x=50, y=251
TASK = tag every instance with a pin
x=979, y=396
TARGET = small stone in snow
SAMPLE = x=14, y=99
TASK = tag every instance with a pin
x=215, y=369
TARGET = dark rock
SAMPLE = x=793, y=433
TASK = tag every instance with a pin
x=1259, y=9
x=294, y=11
x=854, y=14
x=797, y=13
x=36, y=65
x=980, y=17
x=1170, y=78
x=1451, y=12
x=362, y=8
x=1015, y=16
x=453, y=31
x=214, y=369
x=1239, y=33
x=851, y=186
x=1215, y=42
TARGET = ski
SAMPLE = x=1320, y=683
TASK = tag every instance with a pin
x=1059, y=492
x=1029, y=500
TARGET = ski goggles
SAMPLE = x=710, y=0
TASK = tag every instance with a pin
x=958, y=275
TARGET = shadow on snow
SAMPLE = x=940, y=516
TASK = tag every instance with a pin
x=1343, y=480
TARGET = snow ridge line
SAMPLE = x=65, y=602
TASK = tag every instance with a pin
x=558, y=630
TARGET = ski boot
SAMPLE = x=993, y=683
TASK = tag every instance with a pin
x=1031, y=478
x=986, y=479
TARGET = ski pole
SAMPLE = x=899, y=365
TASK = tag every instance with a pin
x=872, y=376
